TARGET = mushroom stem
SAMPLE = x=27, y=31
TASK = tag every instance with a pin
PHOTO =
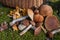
x=43, y=29
x=26, y=30
x=20, y=19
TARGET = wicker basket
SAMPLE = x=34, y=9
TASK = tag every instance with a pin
x=22, y=3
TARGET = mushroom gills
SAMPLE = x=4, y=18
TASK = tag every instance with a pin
x=55, y=31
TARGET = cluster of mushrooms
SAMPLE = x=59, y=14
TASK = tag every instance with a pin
x=39, y=17
x=25, y=19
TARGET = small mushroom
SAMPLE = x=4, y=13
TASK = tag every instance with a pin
x=11, y=13
x=23, y=24
x=16, y=14
x=46, y=10
x=23, y=12
x=19, y=19
x=15, y=28
x=4, y=25
x=37, y=30
x=38, y=17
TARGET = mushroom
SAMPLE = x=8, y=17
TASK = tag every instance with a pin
x=15, y=28
x=19, y=19
x=40, y=24
x=23, y=12
x=38, y=17
x=52, y=25
x=46, y=10
x=23, y=24
x=11, y=13
x=26, y=29
x=30, y=14
x=4, y=25
x=16, y=14
x=37, y=30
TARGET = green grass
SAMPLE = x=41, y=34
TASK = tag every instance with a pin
x=9, y=34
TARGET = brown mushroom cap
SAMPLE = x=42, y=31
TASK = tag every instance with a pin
x=38, y=18
x=46, y=10
x=51, y=23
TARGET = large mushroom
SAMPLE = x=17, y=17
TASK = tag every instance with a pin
x=38, y=17
x=46, y=10
x=52, y=25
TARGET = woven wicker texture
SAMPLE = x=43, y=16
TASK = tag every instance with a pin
x=22, y=3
